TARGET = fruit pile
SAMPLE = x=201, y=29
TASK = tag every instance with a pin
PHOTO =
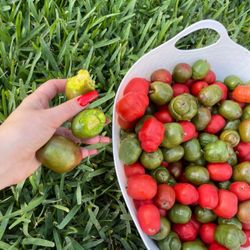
x=61, y=154
x=185, y=145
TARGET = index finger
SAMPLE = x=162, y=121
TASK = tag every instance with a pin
x=47, y=91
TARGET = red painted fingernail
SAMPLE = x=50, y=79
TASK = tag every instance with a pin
x=87, y=98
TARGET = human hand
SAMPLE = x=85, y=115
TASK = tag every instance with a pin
x=31, y=125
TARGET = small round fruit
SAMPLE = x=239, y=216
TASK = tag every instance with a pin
x=161, y=75
x=232, y=81
x=141, y=187
x=79, y=84
x=180, y=214
x=59, y=154
x=164, y=230
x=186, y=193
x=88, y=123
x=208, y=196
x=244, y=130
x=182, y=72
x=244, y=212
x=165, y=196
x=149, y=219
x=200, y=69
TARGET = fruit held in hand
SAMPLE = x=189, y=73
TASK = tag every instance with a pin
x=59, y=154
x=79, y=84
x=88, y=123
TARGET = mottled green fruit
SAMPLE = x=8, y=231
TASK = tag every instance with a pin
x=88, y=123
x=59, y=154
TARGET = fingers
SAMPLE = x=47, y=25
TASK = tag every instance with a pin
x=88, y=152
x=42, y=95
x=96, y=139
x=67, y=133
x=64, y=112
x=67, y=110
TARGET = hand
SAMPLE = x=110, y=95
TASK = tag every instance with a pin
x=31, y=125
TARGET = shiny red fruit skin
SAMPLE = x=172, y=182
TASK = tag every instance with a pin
x=163, y=115
x=197, y=87
x=180, y=88
x=220, y=171
x=149, y=219
x=210, y=77
x=216, y=124
x=134, y=169
x=224, y=90
x=137, y=85
x=241, y=189
x=216, y=246
x=186, y=193
x=186, y=232
x=207, y=232
x=228, y=204
x=208, y=196
x=141, y=187
x=165, y=196
x=189, y=130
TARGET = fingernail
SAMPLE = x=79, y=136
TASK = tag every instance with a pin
x=87, y=98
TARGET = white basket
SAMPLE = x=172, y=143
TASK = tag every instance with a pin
x=225, y=56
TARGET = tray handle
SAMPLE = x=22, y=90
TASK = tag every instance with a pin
x=204, y=24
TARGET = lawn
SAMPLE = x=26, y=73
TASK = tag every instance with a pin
x=47, y=39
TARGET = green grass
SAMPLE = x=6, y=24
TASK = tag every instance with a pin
x=39, y=40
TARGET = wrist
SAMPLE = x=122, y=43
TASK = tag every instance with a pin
x=6, y=158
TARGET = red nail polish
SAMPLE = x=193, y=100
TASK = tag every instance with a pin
x=87, y=98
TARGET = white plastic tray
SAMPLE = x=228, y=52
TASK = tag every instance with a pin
x=225, y=56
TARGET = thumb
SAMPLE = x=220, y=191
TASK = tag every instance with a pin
x=67, y=110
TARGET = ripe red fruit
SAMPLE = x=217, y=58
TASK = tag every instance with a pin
x=139, y=203
x=164, y=164
x=216, y=246
x=246, y=226
x=186, y=232
x=134, y=169
x=161, y=75
x=228, y=204
x=125, y=124
x=210, y=77
x=207, y=232
x=186, y=193
x=151, y=134
x=141, y=187
x=224, y=90
x=179, y=89
x=195, y=222
x=149, y=219
x=165, y=196
x=132, y=106
x=189, y=83
x=247, y=244
x=243, y=150
x=208, y=196
x=197, y=87
x=137, y=85
x=164, y=115
x=216, y=124
x=163, y=212
x=220, y=171
x=189, y=130
x=241, y=189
